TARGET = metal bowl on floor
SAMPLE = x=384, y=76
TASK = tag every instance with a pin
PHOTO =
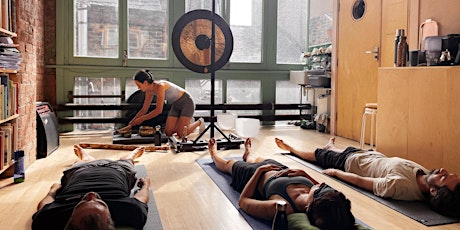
x=146, y=131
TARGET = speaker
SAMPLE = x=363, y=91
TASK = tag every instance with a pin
x=47, y=130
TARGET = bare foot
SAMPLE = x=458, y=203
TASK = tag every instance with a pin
x=212, y=147
x=280, y=143
x=81, y=154
x=331, y=144
x=247, y=149
x=78, y=150
x=136, y=153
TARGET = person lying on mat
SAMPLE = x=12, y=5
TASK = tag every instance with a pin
x=182, y=109
x=388, y=177
x=262, y=182
x=95, y=194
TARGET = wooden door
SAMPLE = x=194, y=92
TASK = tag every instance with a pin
x=356, y=82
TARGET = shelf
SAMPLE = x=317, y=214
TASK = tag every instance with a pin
x=8, y=70
x=9, y=118
x=7, y=170
x=7, y=33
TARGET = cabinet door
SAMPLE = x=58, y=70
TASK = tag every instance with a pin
x=392, y=113
x=427, y=124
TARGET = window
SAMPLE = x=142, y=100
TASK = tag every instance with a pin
x=105, y=29
x=203, y=4
x=244, y=92
x=96, y=28
x=148, y=29
x=292, y=30
x=246, y=25
x=96, y=86
x=201, y=93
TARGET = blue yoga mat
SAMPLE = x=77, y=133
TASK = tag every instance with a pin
x=223, y=180
x=417, y=210
x=153, y=218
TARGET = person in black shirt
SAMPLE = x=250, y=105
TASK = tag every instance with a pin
x=95, y=194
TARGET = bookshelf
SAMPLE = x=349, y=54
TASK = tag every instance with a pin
x=8, y=125
x=10, y=62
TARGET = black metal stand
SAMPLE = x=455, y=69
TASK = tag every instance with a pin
x=228, y=142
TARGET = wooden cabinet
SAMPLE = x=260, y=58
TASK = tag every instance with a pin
x=419, y=113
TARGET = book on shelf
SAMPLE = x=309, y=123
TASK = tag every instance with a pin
x=2, y=149
x=2, y=102
x=4, y=81
x=8, y=97
x=8, y=141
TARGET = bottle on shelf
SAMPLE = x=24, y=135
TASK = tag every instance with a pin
x=397, y=38
x=401, y=58
x=280, y=222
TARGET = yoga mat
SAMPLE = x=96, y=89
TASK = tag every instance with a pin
x=223, y=180
x=417, y=210
x=153, y=218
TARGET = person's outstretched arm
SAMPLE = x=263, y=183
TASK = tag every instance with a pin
x=360, y=181
x=49, y=198
x=159, y=104
x=265, y=209
x=143, y=194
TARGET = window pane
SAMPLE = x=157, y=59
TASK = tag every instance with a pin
x=96, y=86
x=96, y=28
x=246, y=25
x=291, y=31
x=320, y=24
x=148, y=29
x=244, y=92
x=130, y=88
x=287, y=93
x=202, y=5
x=201, y=93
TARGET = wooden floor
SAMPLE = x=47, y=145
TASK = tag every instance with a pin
x=185, y=196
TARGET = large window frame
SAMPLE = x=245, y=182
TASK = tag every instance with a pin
x=267, y=72
x=176, y=10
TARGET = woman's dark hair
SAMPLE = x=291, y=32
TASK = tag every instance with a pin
x=144, y=75
x=332, y=211
x=446, y=202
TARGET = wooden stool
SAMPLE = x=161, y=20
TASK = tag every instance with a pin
x=371, y=110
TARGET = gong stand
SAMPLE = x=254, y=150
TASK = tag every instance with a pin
x=196, y=49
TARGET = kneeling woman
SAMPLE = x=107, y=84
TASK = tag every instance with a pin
x=262, y=182
x=182, y=108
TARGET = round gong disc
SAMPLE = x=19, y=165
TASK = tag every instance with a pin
x=191, y=41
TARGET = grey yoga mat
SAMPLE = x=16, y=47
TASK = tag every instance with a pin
x=223, y=180
x=153, y=218
x=417, y=210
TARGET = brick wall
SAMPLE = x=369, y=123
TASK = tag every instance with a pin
x=30, y=31
x=46, y=84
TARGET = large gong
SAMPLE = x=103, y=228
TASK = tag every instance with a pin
x=191, y=41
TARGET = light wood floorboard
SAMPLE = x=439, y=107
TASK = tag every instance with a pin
x=185, y=196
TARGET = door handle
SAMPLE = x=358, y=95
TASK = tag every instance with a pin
x=375, y=52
